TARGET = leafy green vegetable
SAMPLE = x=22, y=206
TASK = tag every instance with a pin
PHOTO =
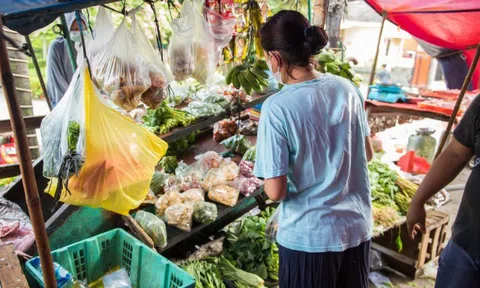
x=382, y=183
x=73, y=133
x=164, y=118
x=153, y=226
x=204, y=212
x=206, y=274
x=158, y=181
x=168, y=164
x=250, y=154
x=237, y=143
x=240, y=277
x=180, y=146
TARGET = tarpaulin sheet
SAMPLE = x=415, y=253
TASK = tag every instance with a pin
x=26, y=16
x=450, y=24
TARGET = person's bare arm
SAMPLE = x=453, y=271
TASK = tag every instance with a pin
x=276, y=188
x=443, y=171
x=369, y=148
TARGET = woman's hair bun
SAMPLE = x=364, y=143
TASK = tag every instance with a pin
x=315, y=39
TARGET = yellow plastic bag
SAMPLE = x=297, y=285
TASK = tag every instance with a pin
x=119, y=155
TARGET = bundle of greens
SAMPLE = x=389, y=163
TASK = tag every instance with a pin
x=164, y=118
x=237, y=143
x=206, y=274
x=180, y=146
x=382, y=183
x=250, y=249
x=169, y=164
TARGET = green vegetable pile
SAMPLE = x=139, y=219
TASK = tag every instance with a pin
x=180, y=146
x=237, y=143
x=164, y=118
x=169, y=164
x=331, y=63
x=250, y=249
x=250, y=154
x=73, y=133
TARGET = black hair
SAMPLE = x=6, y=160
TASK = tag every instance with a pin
x=290, y=33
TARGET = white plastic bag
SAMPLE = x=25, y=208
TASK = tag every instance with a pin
x=160, y=76
x=272, y=226
x=103, y=32
x=121, y=71
x=180, y=50
x=117, y=279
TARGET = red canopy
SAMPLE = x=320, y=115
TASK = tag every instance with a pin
x=446, y=23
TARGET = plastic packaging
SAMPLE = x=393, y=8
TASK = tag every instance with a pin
x=180, y=216
x=193, y=195
x=180, y=50
x=272, y=226
x=121, y=71
x=187, y=177
x=229, y=169
x=246, y=168
x=153, y=226
x=160, y=75
x=214, y=177
x=204, y=212
x=203, y=109
x=15, y=226
x=118, y=155
x=224, y=194
x=237, y=143
x=224, y=129
x=117, y=279
x=248, y=127
x=102, y=32
x=247, y=185
x=170, y=198
x=206, y=161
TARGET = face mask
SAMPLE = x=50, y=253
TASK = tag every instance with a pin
x=277, y=75
x=76, y=37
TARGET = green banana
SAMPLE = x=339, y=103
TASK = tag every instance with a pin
x=251, y=78
x=229, y=77
x=245, y=84
x=261, y=64
x=259, y=72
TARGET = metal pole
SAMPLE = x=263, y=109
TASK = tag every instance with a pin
x=374, y=68
x=459, y=101
x=39, y=72
x=26, y=168
x=66, y=35
x=309, y=11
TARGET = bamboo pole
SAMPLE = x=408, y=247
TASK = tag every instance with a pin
x=374, y=68
x=26, y=168
x=39, y=72
x=459, y=101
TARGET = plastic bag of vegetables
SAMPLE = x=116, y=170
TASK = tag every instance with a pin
x=85, y=142
x=250, y=154
x=204, y=212
x=237, y=143
x=160, y=75
x=180, y=216
x=153, y=226
x=224, y=194
x=121, y=71
x=193, y=195
x=170, y=198
x=158, y=181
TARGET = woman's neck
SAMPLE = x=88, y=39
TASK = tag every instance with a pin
x=298, y=75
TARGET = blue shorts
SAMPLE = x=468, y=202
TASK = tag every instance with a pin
x=456, y=268
x=325, y=270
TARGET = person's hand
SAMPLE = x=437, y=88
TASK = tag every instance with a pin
x=416, y=219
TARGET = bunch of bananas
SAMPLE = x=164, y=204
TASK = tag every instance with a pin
x=331, y=63
x=249, y=76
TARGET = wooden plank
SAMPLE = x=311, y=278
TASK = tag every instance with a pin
x=31, y=122
x=141, y=234
x=11, y=274
x=435, y=242
x=11, y=170
x=393, y=254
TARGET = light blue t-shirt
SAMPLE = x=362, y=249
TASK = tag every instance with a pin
x=314, y=132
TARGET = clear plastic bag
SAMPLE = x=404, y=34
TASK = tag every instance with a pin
x=214, y=177
x=203, y=109
x=153, y=226
x=103, y=32
x=246, y=168
x=229, y=169
x=206, y=161
x=15, y=226
x=118, y=156
x=203, y=44
x=247, y=185
x=237, y=143
x=193, y=195
x=204, y=212
x=224, y=194
x=121, y=71
x=272, y=226
x=180, y=50
x=117, y=279
x=180, y=216
x=170, y=198
x=187, y=178
x=160, y=76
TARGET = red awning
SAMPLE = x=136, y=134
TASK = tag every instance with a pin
x=446, y=23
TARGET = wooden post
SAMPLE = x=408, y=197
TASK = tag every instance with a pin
x=28, y=175
x=320, y=8
x=459, y=101
x=39, y=72
x=374, y=68
x=336, y=9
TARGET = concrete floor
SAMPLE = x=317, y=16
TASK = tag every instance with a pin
x=400, y=281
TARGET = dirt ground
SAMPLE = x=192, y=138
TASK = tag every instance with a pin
x=401, y=281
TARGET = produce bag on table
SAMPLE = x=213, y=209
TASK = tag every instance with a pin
x=94, y=155
x=160, y=76
x=121, y=71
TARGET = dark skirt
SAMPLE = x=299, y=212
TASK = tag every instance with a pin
x=325, y=270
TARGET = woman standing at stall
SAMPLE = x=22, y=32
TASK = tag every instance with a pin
x=314, y=131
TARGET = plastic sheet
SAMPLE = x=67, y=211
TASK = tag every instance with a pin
x=117, y=279
x=119, y=156
x=103, y=32
x=15, y=226
x=271, y=229
x=121, y=71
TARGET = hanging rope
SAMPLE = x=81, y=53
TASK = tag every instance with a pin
x=157, y=26
x=79, y=21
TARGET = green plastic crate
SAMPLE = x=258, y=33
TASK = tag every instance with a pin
x=91, y=258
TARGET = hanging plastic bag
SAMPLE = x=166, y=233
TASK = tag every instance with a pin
x=180, y=50
x=117, y=156
x=103, y=32
x=203, y=45
x=221, y=28
x=272, y=226
x=121, y=71
x=160, y=76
